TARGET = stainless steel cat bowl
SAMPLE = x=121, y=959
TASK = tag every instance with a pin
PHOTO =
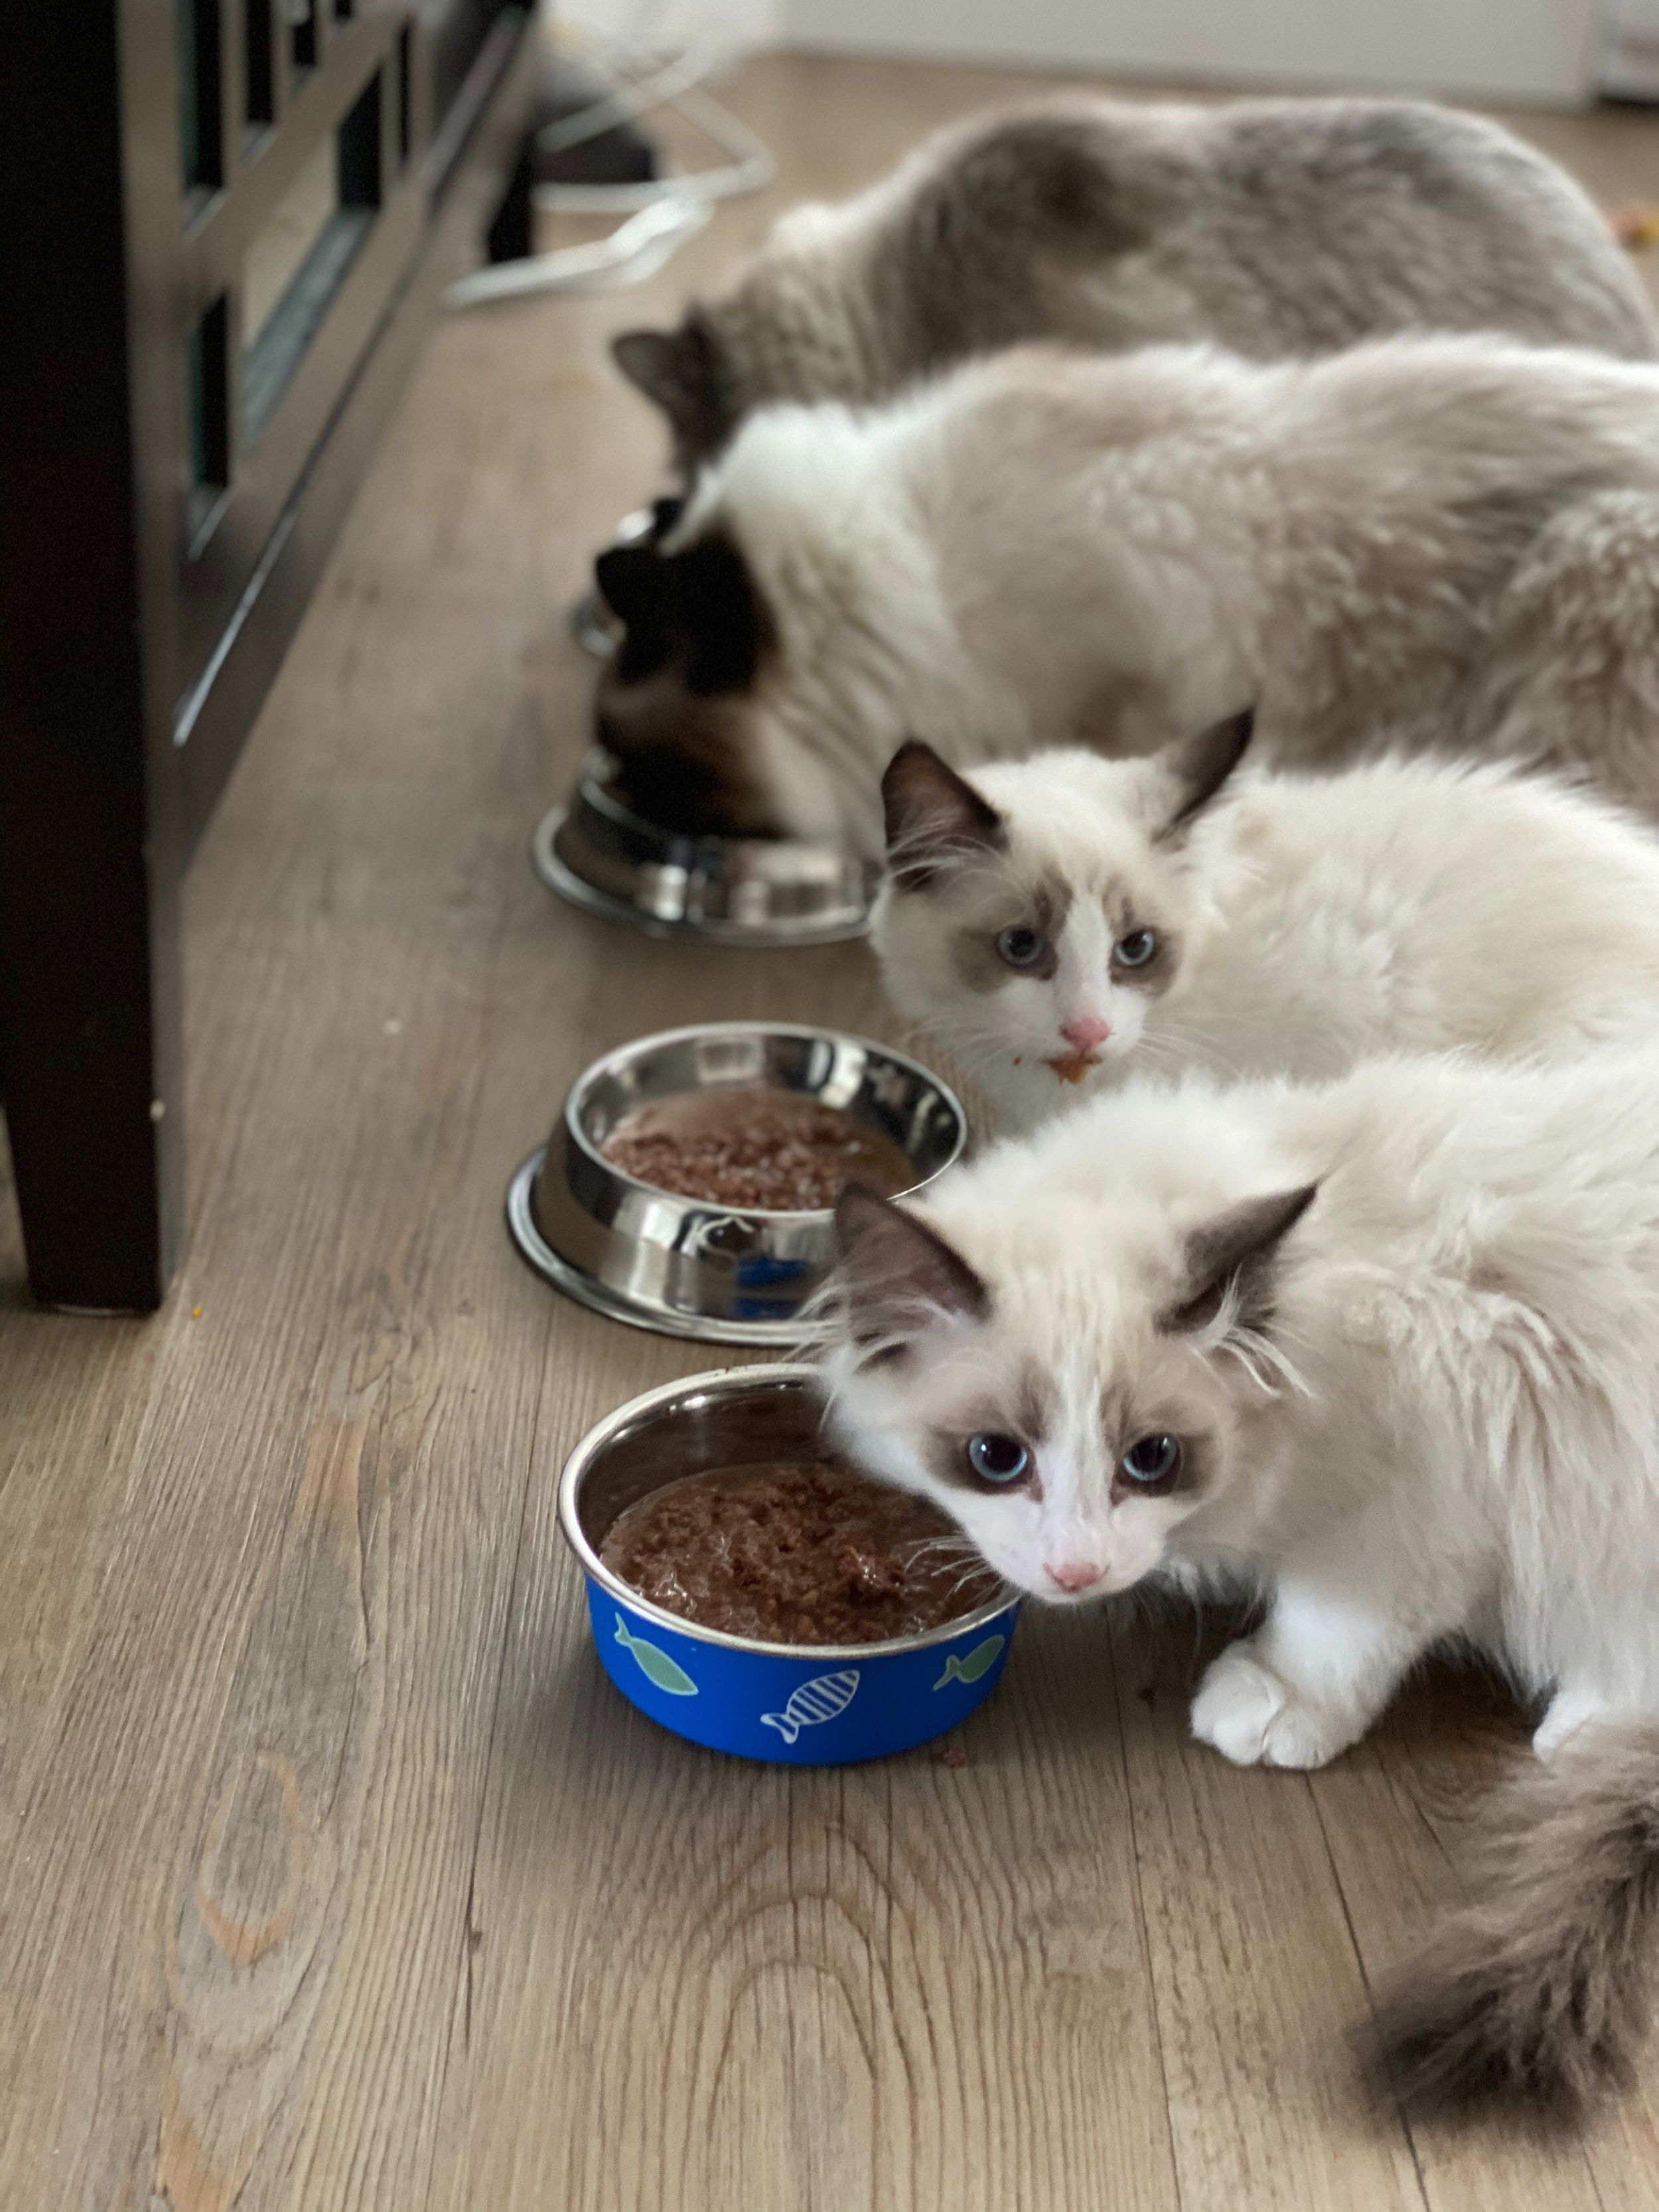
x=684, y=1266
x=760, y=891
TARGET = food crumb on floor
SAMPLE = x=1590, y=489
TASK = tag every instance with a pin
x=952, y=1755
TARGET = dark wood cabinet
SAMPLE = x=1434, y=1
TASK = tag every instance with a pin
x=227, y=224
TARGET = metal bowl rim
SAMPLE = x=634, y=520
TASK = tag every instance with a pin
x=729, y=1381
x=589, y=1290
x=562, y=880
x=591, y=789
x=595, y=1069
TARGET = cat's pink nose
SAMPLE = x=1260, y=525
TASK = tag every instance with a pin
x=1074, y=1575
x=1086, y=1032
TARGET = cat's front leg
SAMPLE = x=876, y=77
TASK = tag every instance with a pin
x=1308, y=1684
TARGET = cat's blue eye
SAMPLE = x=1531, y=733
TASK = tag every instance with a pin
x=1022, y=948
x=1135, y=950
x=1151, y=1462
x=997, y=1458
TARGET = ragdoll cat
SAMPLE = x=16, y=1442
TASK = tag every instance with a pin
x=1274, y=227
x=1386, y=1351
x=1061, y=922
x=1435, y=543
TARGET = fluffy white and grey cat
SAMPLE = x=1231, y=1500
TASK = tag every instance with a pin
x=1446, y=543
x=1062, y=922
x=1386, y=1351
x=1275, y=226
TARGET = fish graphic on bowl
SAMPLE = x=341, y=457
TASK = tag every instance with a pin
x=799, y=1705
x=825, y=1697
x=665, y=1674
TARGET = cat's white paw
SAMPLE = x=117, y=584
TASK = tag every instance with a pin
x=1253, y=1717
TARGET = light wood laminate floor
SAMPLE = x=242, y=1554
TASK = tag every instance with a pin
x=332, y=1872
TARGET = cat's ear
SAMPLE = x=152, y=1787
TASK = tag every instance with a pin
x=680, y=371
x=659, y=363
x=634, y=578
x=1193, y=770
x=934, y=816
x=898, y=1274
x=634, y=582
x=1233, y=1256
x=665, y=513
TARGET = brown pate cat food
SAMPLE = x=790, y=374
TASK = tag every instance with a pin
x=772, y=1150
x=796, y=1554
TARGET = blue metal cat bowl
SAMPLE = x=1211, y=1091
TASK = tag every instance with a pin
x=800, y=1704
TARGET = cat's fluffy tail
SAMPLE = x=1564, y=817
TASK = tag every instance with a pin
x=1539, y=1993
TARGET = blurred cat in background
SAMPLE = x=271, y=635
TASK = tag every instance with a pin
x=1429, y=544
x=1274, y=226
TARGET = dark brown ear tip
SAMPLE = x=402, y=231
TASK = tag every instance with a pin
x=1290, y=1210
x=1203, y=764
x=931, y=806
x=643, y=357
x=913, y=753
x=1298, y=1202
x=1238, y=1247
x=665, y=514
x=1227, y=741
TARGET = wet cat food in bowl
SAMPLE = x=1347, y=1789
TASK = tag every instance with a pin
x=771, y=1150
x=602, y=855
x=796, y=1552
x=711, y=1530
x=739, y=1115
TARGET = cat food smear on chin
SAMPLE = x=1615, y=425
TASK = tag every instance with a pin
x=1072, y=1067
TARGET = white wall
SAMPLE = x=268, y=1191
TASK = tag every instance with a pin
x=1542, y=51
x=734, y=24
x=1630, y=57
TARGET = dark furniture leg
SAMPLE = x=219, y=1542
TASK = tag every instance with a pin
x=89, y=1048
x=174, y=464
x=89, y=990
x=512, y=236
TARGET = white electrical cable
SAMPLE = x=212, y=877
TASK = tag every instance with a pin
x=635, y=250
x=661, y=212
x=750, y=169
x=665, y=84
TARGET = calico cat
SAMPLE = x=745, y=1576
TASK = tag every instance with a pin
x=1062, y=922
x=1274, y=227
x=1387, y=1353
x=1435, y=543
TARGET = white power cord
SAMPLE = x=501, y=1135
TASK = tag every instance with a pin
x=636, y=249
x=665, y=83
x=661, y=213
